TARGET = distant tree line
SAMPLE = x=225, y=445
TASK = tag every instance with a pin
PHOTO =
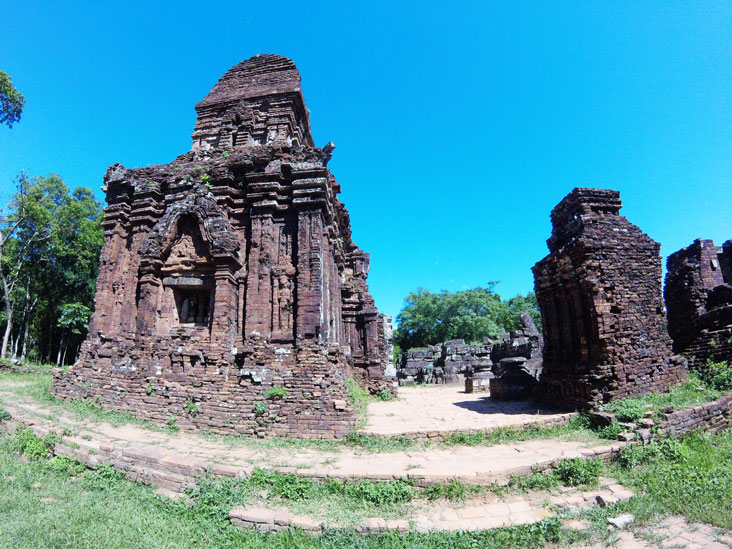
x=50, y=242
x=429, y=318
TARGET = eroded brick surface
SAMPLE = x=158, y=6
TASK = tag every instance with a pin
x=231, y=271
x=698, y=293
x=599, y=292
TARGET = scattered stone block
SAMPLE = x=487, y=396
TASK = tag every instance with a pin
x=621, y=521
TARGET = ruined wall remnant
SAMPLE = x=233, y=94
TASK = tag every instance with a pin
x=698, y=294
x=517, y=363
x=599, y=292
x=478, y=365
x=231, y=271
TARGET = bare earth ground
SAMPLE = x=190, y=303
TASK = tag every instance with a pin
x=449, y=408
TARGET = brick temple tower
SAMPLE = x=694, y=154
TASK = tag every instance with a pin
x=599, y=292
x=231, y=271
x=698, y=294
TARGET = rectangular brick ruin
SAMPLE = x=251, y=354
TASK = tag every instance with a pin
x=698, y=294
x=517, y=363
x=444, y=363
x=599, y=292
x=231, y=296
x=508, y=356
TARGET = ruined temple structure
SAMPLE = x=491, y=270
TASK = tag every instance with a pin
x=698, y=294
x=517, y=364
x=478, y=365
x=444, y=363
x=599, y=292
x=230, y=295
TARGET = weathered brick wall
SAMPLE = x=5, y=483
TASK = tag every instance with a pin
x=232, y=270
x=599, y=292
x=698, y=298
x=711, y=416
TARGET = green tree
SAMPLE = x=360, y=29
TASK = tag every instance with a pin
x=50, y=246
x=73, y=319
x=428, y=318
x=11, y=101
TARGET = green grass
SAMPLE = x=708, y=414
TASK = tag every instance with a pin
x=101, y=509
x=360, y=402
x=691, y=477
x=568, y=472
x=691, y=393
x=576, y=429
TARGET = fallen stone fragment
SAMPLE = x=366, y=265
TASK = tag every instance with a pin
x=621, y=521
x=603, y=500
x=626, y=437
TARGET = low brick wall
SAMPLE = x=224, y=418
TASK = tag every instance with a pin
x=711, y=416
x=173, y=472
x=554, y=420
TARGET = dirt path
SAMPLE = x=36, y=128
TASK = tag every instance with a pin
x=473, y=464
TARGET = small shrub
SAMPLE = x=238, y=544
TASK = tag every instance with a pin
x=373, y=443
x=627, y=409
x=536, y=481
x=66, y=432
x=172, y=420
x=149, y=390
x=275, y=392
x=718, y=375
x=4, y=414
x=385, y=394
x=225, y=154
x=65, y=466
x=610, y=431
x=191, y=408
x=333, y=486
x=206, y=179
x=360, y=401
x=103, y=478
x=379, y=493
x=668, y=449
x=469, y=439
x=260, y=408
x=578, y=472
x=286, y=486
x=31, y=445
x=455, y=491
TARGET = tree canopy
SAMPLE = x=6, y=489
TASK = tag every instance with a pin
x=11, y=101
x=428, y=318
x=50, y=241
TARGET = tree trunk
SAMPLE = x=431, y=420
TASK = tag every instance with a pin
x=63, y=358
x=8, y=329
x=60, y=348
x=25, y=341
x=16, y=340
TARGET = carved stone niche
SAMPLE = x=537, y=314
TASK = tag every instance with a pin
x=188, y=285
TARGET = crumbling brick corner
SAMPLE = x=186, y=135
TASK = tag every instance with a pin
x=698, y=294
x=599, y=292
x=230, y=295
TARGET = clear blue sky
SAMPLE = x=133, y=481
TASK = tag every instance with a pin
x=458, y=126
